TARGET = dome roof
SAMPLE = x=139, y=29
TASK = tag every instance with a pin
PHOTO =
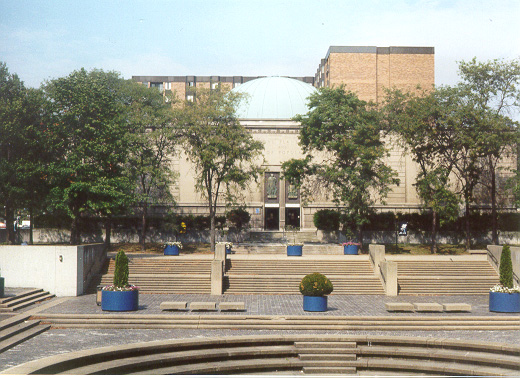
x=274, y=98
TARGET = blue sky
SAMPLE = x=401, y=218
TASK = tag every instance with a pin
x=45, y=39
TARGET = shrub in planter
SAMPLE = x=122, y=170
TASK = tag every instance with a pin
x=172, y=248
x=120, y=296
x=239, y=218
x=314, y=288
x=505, y=297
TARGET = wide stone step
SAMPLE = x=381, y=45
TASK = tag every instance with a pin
x=22, y=333
x=25, y=301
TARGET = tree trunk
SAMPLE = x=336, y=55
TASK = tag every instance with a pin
x=144, y=226
x=212, y=233
x=494, y=225
x=108, y=232
x=9, y=224
x=468, y=236
x=31, y=225
x=434, y=232
x=74, y=231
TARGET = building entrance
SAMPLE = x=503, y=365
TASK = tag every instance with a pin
x=292, y=217
x=272, y=218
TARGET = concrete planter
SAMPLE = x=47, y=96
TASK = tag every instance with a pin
x=350, y=249
x=294, y=250
x=171, y=250
x=314, y=304
x=504, y=302
x=120, y=300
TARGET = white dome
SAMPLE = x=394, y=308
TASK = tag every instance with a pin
x=274, y=98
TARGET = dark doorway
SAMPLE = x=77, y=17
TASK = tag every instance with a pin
x=272, y=218
x=292, y=216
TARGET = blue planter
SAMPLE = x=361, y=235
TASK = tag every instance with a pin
x=228, y=251
x=350, y=249
x=314, y=303
x=171, y=250
x=120, y=300
x=294, y=250
x=2, y=283
x=504, y=302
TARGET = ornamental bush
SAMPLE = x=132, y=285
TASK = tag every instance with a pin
x=316, y=285
x=326, y=220
x=121, y=270
x=506, y=267
x=239, y=217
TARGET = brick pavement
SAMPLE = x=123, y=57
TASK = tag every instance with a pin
x=56, y=341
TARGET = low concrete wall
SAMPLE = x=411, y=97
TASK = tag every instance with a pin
x=494, y=253
x=61, y=270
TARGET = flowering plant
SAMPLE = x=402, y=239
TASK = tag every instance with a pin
x=120, y=288
x=499, y=288
x=351, y=243
x=171, y=244
x=315, y=285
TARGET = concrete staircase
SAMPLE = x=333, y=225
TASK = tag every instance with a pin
x=282, y=237
x=166, y=274
x=24, y=299
x=281, y=249
x=17, y=329
x=448, y=277
x=281, y=275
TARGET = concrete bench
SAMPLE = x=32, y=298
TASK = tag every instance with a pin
x=428, y=307
x=457, y=307
x=232, y=306
x=168, y=306
x=203, y=306
x=399, y=306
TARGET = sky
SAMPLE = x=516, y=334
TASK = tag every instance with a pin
x=45, y=39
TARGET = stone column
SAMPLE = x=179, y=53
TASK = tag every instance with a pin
x=216, y=277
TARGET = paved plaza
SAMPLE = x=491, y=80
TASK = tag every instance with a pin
x=56, y=341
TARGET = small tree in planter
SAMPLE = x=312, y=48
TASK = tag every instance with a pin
x=315, y=287
x=293, y=248
x=120, y=296
x=505, y=297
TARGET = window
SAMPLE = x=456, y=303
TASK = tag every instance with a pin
x=168, y=86
x=159, y=86
x=214, y=85
x=190, y=97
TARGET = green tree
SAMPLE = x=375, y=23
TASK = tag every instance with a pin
x=152, y=141
x=225, y=155
x=22, y=151
x=341, y=137
x=420, y=124
x=506, y=267
x=494, y=88
x=88, y=126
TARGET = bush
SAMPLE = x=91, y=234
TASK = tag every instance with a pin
x=506, y=267
x=121, y=270
x=316, y=285
x=238, y=217
x=326, y=220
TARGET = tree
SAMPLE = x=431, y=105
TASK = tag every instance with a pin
x=152, y=142
x=88, y=127
x=420, y=124
x=22, y=149
x=341, y=137
x=494, y=88
x=225, y=155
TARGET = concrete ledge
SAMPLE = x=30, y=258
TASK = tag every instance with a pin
x=165, y=306
x=428, y=307
x=399, y=306
x=203, y=306
x=232, y=306
x=457, y=307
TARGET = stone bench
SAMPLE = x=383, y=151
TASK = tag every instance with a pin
x=232, y=306
x=203, y=306
x=399, y=306
x=168, y=306
x=457, y=307
x=428, y=307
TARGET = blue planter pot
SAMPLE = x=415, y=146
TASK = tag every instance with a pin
x=228, y=251
x=120, y=300
x=314, y=303
x=350, y=249
x=2, y=283
x=504, y=302
x=294, y=250
x=171, y=250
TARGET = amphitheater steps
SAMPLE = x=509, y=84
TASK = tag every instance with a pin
x=281, y=249
x=24, y=299
x=283, y=276
x=445, y=277
x=323, y=357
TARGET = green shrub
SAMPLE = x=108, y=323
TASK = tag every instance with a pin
x=316, y=285
x=121, y=270
x=326, y=220
x=506, y=267
x=238, y=217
